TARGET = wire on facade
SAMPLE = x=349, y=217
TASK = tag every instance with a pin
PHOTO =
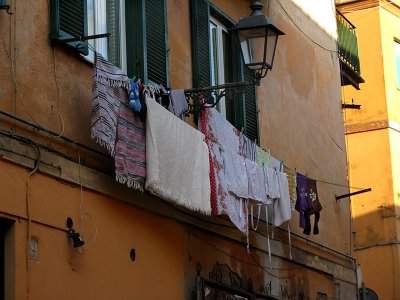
x=298, y=27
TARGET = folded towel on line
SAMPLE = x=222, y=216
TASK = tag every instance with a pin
x=177, y=160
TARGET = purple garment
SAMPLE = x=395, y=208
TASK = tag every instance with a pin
x=303, y=202
x=313, y=195
x=178, y=104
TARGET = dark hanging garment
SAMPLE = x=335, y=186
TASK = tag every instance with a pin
x=307, y=203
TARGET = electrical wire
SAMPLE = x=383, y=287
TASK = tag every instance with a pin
x=18, y=92
x=305, y=34
x=254, y=263
x=81, y=212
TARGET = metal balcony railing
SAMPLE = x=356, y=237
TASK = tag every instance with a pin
x=347, y=40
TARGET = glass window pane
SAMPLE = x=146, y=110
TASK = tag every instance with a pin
x=214, y=54
x=397, y=54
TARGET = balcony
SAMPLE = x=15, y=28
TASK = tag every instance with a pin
x=348, y=52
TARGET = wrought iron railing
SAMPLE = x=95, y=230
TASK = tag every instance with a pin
x=347, y=40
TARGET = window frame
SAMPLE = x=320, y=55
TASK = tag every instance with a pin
x=397, y=61
x=245, y=107
x=219, y=58
x=99, y=25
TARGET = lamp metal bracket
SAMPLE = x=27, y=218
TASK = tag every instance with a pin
x=214, y=94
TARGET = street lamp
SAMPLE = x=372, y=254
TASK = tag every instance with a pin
x=258, y=36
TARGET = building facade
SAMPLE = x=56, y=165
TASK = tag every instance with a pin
x=372, y=137
x=138, y=246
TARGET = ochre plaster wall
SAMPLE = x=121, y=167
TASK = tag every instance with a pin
x=111, y=229
x=390, y=24
x=372, y=94
x=299, y=101
x=300, y=122
x=373, y=155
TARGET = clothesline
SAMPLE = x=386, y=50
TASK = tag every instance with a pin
x=318, y=180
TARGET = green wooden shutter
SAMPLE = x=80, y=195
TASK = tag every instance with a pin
x=134, y=20
x=113, y=27
x=250, y=107
x=156, y=41
x=200, y=21
x=68, y=20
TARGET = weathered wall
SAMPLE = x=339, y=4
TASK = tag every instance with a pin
x=111, y=229
x=373, y=145
x=300, y=121
x=299, y=102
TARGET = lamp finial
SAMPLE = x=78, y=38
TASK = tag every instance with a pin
x=256, y=7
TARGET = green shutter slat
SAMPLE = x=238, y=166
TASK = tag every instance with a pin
x=72, y=17
x=113, y=27
x=68, y=20
x=200, y=16
x=156, y=41
x=250, y=108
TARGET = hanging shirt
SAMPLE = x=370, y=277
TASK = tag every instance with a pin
x=262, y=157
x=235, y=174
x=248, y=148
x=178, y=104
x=256, y=179
x=282, y=204
x=223, y=135
x=302, y=203
x=271, y=183
x=291, y=175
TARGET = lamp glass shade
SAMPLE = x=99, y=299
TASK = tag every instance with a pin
x=258, y=47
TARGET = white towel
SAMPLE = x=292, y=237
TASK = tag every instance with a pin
x=235, y=174
x=271, y=183
x=282, y=205
x=177, y=160
x=256, y=179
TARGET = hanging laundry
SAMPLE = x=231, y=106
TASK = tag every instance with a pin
x=271, y=184
x=291, y=176
x=178, y=104
x=256, y=179
x=177, y=160
x=282, y=209
x=222, y=135
x=221, y=131
x=227, y=203
x=107, y=79
x=134, y=101
x=130, y=147
x=248, y=147
x=275, y=164
x=262, y=157
x=307, y=203
x=315, y=207
x=235, y=173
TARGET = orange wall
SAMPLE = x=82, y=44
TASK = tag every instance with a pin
x=372, y=93
x=300, y=121
x=105, y=271
x=373, y=155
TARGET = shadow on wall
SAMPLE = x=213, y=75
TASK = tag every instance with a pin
x=376, y=247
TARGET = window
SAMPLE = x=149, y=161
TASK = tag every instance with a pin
x=397, y=57
x=217, y=59
x=221, y=69
x=138, y=41
x=107, y=16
